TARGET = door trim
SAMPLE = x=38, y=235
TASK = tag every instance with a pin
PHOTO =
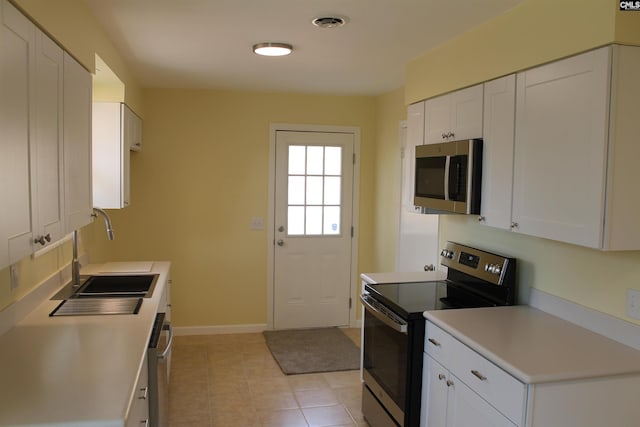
x=354, y=280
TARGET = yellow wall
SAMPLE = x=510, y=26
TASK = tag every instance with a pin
x=73, y=26
x=390, y=111
x=535, y=32
x=201, y=177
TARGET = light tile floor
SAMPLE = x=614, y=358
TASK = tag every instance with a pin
x=233, y=381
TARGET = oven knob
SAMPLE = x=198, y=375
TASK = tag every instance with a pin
x=487, y=267
x=497, y=270
x=447, y=253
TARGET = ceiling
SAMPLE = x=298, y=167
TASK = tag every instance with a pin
x=207, y=43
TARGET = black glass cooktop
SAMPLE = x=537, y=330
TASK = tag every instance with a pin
x=410, y=299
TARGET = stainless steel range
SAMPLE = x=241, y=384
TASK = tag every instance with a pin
x=393, y=336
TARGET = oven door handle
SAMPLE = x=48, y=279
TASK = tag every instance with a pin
x=392, y=323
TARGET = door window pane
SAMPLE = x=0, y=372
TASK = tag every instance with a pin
x=332, y=190
x=333, y=161
x=315, y=160
x=295, y=220
x=296, y=190
x=314, y=220
x=297, y=156
x=314, y=190
x=331, y=220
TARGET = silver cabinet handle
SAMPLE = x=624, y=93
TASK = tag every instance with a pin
x=481, y=219
x=145, y=392
x=441, y=376
x=40, y=240
x=515, y=225
x=449, y=383
x=434, y=342
x=429, y=267
x=167, y=349
x=478, y=375
x=145, y=423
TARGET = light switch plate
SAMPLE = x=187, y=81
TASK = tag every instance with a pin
x=633, y=303
x=257, y=223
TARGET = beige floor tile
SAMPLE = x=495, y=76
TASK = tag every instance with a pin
x=324, y=416
x=307, y=382
x=284, y=418
x=235, y=417
x=343, y=378
x=261, y=386
x=320, y=397
x=274, y=401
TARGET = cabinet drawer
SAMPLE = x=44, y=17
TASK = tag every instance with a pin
x=493, y=384
x=438, y=343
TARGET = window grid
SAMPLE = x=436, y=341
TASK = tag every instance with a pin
x=309, y=213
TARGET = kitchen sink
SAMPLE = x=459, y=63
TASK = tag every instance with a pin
x=110, y=286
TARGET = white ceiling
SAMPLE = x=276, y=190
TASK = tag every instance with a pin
x=207, y=43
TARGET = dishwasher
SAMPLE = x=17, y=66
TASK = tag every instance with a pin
x=158, y=358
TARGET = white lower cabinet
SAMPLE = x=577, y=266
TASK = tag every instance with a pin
x=139, y=409
x=461, y=388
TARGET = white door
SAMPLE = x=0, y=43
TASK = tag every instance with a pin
x=313, y=220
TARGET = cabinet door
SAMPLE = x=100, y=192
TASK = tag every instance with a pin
x=77, y=145
x=433, y=410
x=46, y=144
x=465, y=408
x=466, y=113
x=437, y=119
x=17, y=52
x=560, y=149
x=497, y=151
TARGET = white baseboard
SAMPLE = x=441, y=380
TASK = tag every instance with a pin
x=222, y=329
x=226, y=329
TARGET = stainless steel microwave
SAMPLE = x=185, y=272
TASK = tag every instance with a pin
x=448, y=177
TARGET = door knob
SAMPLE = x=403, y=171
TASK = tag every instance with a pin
x=281, y=228
x=280, y=242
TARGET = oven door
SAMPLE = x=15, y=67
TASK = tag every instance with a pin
x=385, y=357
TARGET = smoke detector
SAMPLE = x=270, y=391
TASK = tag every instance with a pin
x=329, y=21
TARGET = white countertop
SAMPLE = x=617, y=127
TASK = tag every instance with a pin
x=403, y=277
x=537, y=347
x=75, y=370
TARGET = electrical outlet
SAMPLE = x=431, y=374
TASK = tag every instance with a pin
x=14, y=276
x=633, y=303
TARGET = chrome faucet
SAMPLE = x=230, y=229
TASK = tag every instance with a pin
x=75, y=263
x=107, y=221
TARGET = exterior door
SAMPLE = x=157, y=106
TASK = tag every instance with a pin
x=313, y=229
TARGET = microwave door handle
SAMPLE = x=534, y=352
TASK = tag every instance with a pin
x=447, y=166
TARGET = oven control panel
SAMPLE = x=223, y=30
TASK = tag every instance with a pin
x=487, y=266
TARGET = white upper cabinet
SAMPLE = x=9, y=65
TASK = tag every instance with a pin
x=497, y=151
x=132, y=129
x=77, y=145
x=44, y=156
x=114, y=131
x=454, y=116
x=47, y=162
x=574, y=175
x=17, y=52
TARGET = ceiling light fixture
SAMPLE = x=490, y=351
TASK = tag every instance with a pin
x=272, y=49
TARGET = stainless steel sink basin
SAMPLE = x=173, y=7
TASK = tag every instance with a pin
x=111, y=286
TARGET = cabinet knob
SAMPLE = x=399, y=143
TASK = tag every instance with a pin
x=444, y=135
x=40, y=240
x=47, y=237
x=429, y=267
x=449, y=383
x=451, y=135
x=514, y=225
x=481, y=219
x=143, y=395
x=441, y=376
